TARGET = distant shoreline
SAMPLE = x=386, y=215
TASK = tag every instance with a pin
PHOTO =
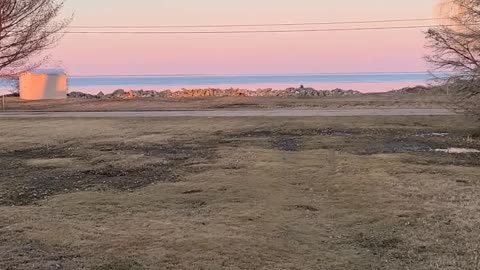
x=213, y=99
x=365, y=88
x=304, y=92
x=373, y=87
x=363, y=82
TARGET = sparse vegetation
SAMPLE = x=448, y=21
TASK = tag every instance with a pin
x=242, y=193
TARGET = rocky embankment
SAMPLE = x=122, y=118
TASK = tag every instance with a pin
x=213, y=92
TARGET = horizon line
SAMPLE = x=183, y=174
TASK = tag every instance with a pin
x=258, y=74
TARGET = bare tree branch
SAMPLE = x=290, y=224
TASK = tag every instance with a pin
x=456, y=51
x=27, y=27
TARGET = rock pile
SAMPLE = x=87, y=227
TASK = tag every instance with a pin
x=81, y=95
x=214, y=92
x=118, y=94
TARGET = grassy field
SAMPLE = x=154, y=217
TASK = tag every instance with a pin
x=242, y=193
x=384, y=100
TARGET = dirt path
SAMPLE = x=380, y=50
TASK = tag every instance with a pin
x=236, y=113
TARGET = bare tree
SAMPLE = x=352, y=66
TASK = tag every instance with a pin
x=455, y=52
x=27, y=27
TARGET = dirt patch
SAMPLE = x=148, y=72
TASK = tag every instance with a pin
x=286, y=143
x=193, y=191
x=124, y=264
x=365, y=142
x=358, y=141
x=51, y=163
x=379, y=244
x=65, y=151
x=466, y=160
x=296, y=132
x=306, y=208
x=36, y=255
x=118, y=173
x=396, y=146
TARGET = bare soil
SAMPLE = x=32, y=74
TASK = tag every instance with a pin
x=239, y=193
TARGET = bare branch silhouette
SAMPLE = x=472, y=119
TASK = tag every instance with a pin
x=455, y=52
x=27, y=27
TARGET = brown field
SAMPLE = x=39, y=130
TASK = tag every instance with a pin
x=383, y=100
x=239, y=193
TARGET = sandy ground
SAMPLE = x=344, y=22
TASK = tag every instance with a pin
x=239, y=193
x=234, y=113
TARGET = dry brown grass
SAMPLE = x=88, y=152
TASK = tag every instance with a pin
x=386, y=100
x=243, y=193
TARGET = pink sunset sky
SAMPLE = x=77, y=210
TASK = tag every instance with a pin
x=265, y=53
